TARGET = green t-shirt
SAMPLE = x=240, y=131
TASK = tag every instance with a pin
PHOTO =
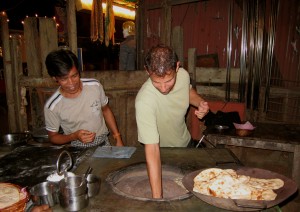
x=161, y=118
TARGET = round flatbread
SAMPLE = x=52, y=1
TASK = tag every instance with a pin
x=266, y=183
x=208, y=174
x=9, y=195
x=228, y=184
x=268, y=195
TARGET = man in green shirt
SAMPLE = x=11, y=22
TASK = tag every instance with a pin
x=161, y=106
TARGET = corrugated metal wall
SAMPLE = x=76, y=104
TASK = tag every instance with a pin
x=204, y=24
x=205, y=27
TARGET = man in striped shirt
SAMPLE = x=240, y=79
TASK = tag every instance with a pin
x=79, y=106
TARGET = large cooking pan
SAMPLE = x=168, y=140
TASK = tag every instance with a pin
x=14, y=139
x=289, y=188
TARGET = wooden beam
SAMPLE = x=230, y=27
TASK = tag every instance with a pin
x=172, y=3
x=216, y=75
x=48, y=40
x=140, y=34
x=166, y=14
x=32, y=47
x=284, y=92
x=177, y=43
x=71, y=23
x=19, y=97
x=215, y=92
x=192, y=63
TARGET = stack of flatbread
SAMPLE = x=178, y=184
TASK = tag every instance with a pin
x=226, y=183
x=9, y=195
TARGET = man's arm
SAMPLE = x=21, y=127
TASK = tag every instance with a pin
x=111, y=123
x=84, y=136
x=197, y=101
x=152, y=153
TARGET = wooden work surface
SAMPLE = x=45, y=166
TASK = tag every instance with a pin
x=277, y=137
x=186, y=159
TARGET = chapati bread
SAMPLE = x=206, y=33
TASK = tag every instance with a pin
x=9, y=195
x=228, y=184
x=266, y=183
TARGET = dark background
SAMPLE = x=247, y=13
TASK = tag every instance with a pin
x=96, y=55
x=17, y=10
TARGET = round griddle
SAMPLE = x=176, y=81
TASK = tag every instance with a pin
x=289, y=188
x=133, y=182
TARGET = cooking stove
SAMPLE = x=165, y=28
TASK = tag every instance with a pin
x=32, y=163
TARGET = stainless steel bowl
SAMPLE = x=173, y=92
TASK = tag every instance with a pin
x=221, y=128
x=13, y=139
x=45, y=193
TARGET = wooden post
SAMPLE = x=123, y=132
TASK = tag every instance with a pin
x=71, y=22
x=48, y=40
x=296, y=165
x=20, y=93
x=192, y=63
x=140, y=34
x=8, y=75
x=33, y=56
x=166, y=14
x=177, y=43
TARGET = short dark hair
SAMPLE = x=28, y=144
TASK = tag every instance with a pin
x=160, y=60
x=60, y=62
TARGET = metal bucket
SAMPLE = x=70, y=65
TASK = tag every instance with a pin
x=45, y=193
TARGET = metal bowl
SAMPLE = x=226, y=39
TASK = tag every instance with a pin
x=45, y=193
x=221, y=128
x=13, y=139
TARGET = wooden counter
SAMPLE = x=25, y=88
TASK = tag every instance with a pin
x=186, y=159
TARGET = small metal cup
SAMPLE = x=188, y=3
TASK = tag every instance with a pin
x=93, y=184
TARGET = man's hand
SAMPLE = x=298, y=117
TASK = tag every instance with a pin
x=85, y=136
x=203, y=109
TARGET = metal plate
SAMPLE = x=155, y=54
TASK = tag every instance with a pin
x=289, y=188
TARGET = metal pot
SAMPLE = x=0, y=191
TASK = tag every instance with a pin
x=73, y=186
x=45, y=193
x=74, y=203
